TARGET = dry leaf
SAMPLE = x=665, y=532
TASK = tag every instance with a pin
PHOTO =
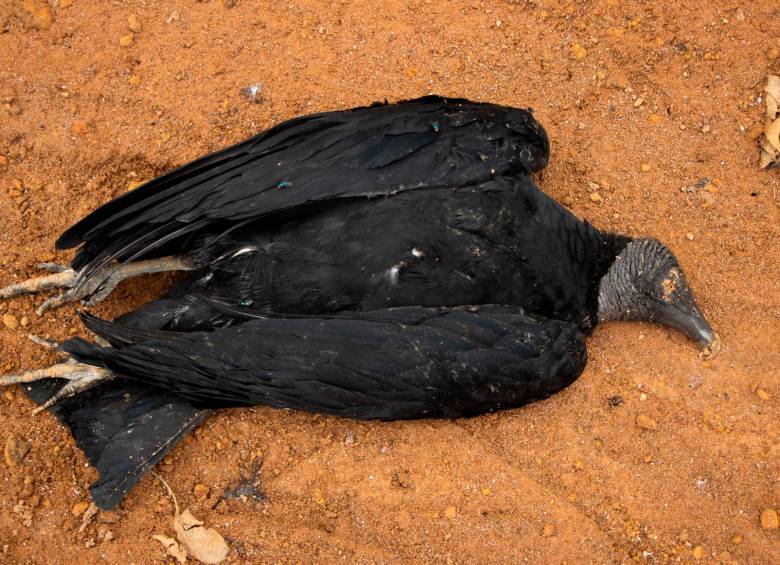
x=770, y=145
x=172, y=547
x=204, y=544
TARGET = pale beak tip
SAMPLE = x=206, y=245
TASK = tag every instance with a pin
x=711, y=345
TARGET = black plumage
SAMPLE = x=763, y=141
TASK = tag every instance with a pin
x=394, y=261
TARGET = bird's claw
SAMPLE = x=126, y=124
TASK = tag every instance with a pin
x=80, y=375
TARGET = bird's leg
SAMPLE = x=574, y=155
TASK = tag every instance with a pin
x=80, y=375
x=62, y=277
x=96, y=286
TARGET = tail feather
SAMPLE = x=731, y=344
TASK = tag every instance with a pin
x=123, y=428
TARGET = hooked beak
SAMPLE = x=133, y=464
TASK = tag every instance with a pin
x=685, y=316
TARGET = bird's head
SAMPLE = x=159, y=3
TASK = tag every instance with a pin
x=646, y=283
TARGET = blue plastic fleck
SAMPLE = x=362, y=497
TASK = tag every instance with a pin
x=245, y=302
x=435, y=126
x=284, y=184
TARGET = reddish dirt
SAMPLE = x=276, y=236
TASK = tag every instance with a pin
x=571, y=479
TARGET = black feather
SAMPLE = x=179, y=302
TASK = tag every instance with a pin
x=404, y=363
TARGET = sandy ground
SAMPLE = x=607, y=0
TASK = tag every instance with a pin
x=642, y=98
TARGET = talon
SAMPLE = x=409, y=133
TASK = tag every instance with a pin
x=53, y=302
x=80, y=375
x=43, y=342
x=90, y=377
x=52, y=267
x=62, y=279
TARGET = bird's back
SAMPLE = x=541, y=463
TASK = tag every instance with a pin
x=500, y=242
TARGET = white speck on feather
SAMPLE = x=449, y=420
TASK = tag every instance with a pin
x=417, y=252
x=392, y=274
x=244, y=250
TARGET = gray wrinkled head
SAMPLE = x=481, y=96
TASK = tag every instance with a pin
x=646, y=283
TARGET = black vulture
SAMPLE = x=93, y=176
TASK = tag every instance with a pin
x=387, y=262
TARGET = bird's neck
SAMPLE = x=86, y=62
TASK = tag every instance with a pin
x=612, y=284
x=610, y=305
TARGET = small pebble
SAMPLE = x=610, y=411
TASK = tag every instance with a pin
x=645, y=167
x=595, y=197
x=133, y=23
x=769, y=519
x=126, y=40
x=646, y=422
x=578, y=51
x=79, y=508
x=654, y=119
x=705, y=129
x=10, y=321
x=134, y=80
x=763, y=394
x=24, y=321
x=689, y=236
x=736, y=540
x=79, y=127
x=638, y=102
x=15, y=450
x=201, y=492
x=698, y=552
x=450, y=512
x=568, y=200
x=36, y=14
x=773, y=54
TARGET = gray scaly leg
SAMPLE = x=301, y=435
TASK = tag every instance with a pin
x=94, y=288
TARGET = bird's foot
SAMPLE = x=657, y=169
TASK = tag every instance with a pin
x=80, y=376
x=61, y=277
x=94, y=288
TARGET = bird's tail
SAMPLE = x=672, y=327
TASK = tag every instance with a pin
x=123, y=428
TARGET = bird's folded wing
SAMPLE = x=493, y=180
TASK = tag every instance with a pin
x=365, y=152
x=400, y=363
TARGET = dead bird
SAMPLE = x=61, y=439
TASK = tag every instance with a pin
x=387, y=262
